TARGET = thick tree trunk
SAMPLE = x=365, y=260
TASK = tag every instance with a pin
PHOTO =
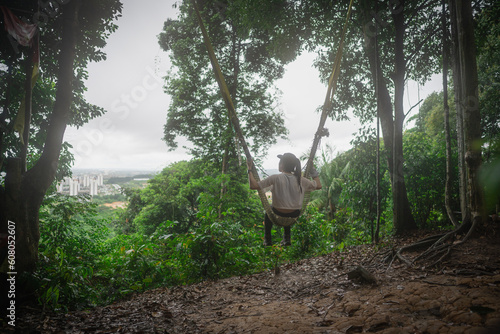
x=384, y=104
x=25, y=192
x=402, y=217
x=469, y=101
x=446, y=110
x=457, y=79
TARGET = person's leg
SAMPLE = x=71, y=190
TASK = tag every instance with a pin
x=286, y=236
x=268, y=225
x=286, y=241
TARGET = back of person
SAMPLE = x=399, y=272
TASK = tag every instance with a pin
x=288, y=189
x=287, y=192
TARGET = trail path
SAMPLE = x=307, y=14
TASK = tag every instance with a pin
x=315, y=296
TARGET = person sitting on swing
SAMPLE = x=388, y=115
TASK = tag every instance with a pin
x=288, y=189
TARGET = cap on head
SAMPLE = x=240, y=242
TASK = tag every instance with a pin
x=288, y=161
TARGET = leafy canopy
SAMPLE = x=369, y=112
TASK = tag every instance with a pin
x=197, y=111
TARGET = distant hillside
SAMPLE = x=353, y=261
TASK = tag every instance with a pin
x=112, y=172
x=120, y=180
x=270, y=172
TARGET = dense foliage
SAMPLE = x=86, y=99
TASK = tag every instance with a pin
x=85, y=263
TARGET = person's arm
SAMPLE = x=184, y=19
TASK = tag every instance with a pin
x=315, y=176
x=318, y=183
x=251, y=179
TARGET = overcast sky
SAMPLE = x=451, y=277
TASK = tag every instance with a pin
x=129, y=86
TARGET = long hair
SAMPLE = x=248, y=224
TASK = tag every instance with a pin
x=291, y=164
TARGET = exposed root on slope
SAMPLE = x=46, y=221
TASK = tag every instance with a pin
x=436, y=248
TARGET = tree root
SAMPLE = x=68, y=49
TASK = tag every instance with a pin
x=437, y=246
x=361, y=273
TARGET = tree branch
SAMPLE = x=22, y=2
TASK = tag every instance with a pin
x=40, y=176
x=416, y=104
x=419, y=47
x=425, y=4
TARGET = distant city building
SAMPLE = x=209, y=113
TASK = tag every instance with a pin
x=86, y=184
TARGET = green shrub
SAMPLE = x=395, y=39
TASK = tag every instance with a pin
x=70, y=242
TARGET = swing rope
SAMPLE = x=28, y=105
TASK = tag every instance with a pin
x=332, y=85
x=327, y=105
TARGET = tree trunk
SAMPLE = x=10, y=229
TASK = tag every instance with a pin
x=377, y=159
x=402, y=217
x=384, y=105
x=377, y=181
x=25, y=192
x=225, y=159
x=457, y=79
x=392, y=129
x=469, y=101
x=446, y=110
x=235, y=53
x=28, y=93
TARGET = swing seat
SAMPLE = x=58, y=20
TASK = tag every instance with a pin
x=282, y=221
x=277, y=220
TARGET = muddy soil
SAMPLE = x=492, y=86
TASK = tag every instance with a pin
x=461, y=295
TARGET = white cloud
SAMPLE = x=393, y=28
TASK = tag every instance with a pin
x=129, y=85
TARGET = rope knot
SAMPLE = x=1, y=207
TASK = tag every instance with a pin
x=324, y=132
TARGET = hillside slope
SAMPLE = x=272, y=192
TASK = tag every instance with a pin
x=315, y=296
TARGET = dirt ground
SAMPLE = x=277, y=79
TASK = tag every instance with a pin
x=462, y=295
x=116, y=205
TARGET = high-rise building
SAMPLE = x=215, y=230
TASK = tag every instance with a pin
x=84, y=184
x=93, y=187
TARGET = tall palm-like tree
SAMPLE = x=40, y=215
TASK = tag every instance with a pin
x=332, y=176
